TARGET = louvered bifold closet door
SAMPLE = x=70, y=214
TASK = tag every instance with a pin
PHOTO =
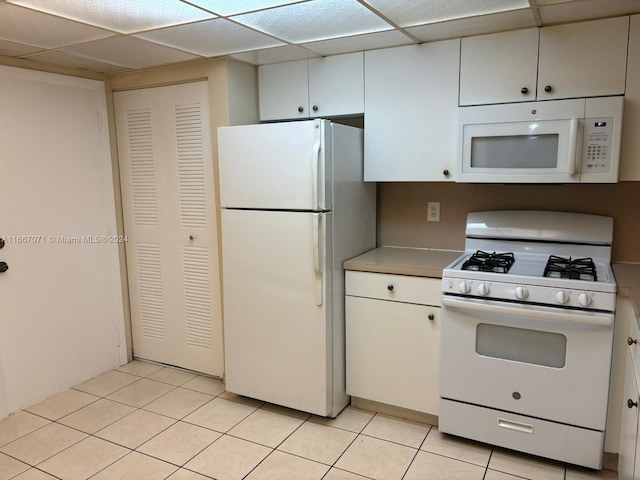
x=166, y=170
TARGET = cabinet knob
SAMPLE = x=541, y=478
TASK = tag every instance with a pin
x=631, y=403
x=191, y=237
x=3, y=267
x=445, y=172
x=1, y=242
x=524, y=90
x=315, y=108
x=390, y=288
x=548, y=88
x=431, y=316
x=631, y=341
x=300, y=109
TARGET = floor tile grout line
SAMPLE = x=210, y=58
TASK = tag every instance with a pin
x=357, y=434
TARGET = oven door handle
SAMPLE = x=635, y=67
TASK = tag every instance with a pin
x=587, y=318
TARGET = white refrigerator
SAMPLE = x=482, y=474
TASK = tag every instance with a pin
x=294, y=207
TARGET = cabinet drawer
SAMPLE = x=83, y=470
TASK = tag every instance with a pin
x=396, y=288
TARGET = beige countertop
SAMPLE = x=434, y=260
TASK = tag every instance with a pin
x=418, y=262
x=628, y=280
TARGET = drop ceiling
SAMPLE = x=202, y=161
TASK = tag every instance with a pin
x=110, y=36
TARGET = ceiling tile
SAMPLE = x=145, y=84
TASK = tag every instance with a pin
x=211, y=38
x=287, y=53
x=43, y=30
x=123, y=16
x=408, y=13
x=586, y=10
x=12, y=49
x=129, y=52
x=368, y=41
x=465, y=27
x=232, y=7
x=315, y=20
x=59, y=58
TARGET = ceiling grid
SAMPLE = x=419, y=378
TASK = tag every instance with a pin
x=110, y=36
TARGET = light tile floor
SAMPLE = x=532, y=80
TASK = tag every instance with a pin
x=144, y=421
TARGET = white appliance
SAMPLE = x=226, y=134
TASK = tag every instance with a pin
x=294, y=207
x=559, y=141
x=527, y=334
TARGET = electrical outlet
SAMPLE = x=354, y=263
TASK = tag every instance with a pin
x=433, y=211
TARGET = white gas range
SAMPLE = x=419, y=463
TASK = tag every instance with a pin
x=527, y=334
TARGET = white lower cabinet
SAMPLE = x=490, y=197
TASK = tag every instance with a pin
x=629, y=455
x=392, y=338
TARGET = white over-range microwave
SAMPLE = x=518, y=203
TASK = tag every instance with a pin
x=556, y=141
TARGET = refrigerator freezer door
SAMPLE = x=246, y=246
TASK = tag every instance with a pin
x=278, y=166
x=276, y=321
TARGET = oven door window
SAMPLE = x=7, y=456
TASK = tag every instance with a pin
x=521, y=345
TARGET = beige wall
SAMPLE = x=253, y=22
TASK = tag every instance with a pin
x=403, y=210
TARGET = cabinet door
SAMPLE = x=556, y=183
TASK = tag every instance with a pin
x=630, y=162
x=284, y=90
x=336, y=85
x=392, y=353
x=499, y=68
x=585, y=59
x=629, y=431
x=411, y=107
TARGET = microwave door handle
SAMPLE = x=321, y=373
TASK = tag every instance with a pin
x=573, y=139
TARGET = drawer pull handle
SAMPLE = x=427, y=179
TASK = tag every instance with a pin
x=390, y=288
x=631, y=341
x=515, y=426
x=631, y=403
x=431, y=316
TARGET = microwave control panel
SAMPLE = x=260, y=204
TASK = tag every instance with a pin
x=597, y=148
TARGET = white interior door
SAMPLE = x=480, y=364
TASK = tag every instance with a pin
x=277, y=340
x=62, y=316
x=166, y=166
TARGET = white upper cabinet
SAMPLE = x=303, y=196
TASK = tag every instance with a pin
x=585, y=59
x=284, y=90
x=499, y=68
x=411, y=108
x=320, y=87
x=630, y=161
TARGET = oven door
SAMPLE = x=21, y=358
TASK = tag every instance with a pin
x=543, y=362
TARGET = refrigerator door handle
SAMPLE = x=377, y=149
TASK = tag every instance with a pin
x=317, y=258
x=315, y=165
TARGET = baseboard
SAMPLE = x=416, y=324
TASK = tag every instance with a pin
x=399, y=412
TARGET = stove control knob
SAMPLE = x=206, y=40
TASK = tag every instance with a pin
x=483, y=289
x=464, y=287
x=562, y=297
x=521, y=292
x=584, y=299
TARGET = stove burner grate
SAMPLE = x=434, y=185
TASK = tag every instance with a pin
x=574, y=269
x=489, y=262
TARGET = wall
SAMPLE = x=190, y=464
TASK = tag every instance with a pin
x=403, y=210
